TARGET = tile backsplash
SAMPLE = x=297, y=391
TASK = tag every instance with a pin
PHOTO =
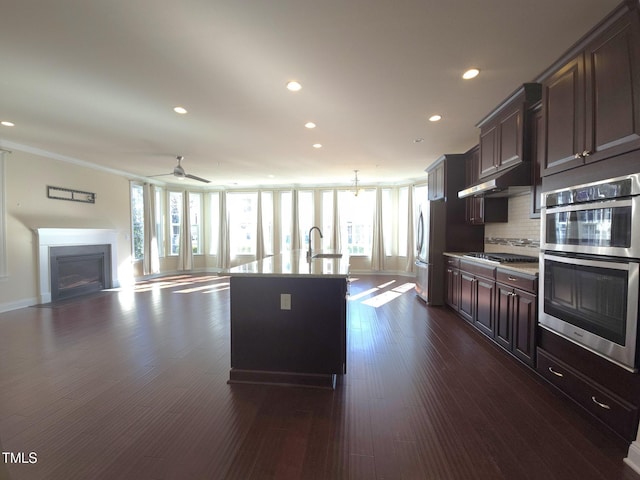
x=520, y=235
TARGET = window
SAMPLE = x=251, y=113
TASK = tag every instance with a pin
x=137, y=220
x=175, y=217
x=159, y=220
x=214, y=223
x=285, y=221
x=403, y=221
x=3, y=226
x=389, y=220
x=242, y=222
x=267, y=221
x=195, y=218
x=305, y=217
x=327, y=219
x=356, y=221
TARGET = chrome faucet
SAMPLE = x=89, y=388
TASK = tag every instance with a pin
x=309, y=252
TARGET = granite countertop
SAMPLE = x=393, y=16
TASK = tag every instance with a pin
x=296, y=264
x=524, y=267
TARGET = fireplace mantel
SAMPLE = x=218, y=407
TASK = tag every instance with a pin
x=57, y=237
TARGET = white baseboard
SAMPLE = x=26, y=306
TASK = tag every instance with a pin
x=23, y=303
x=633, y=457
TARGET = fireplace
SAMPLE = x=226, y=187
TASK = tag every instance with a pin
x=74, y=261
x=79, y=270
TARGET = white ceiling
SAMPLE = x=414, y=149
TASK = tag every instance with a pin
x=96, y=81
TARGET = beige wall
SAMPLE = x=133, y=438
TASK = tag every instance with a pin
x=27, y=207
x=520, y=227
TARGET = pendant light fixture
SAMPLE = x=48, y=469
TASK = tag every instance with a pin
x=355, y=183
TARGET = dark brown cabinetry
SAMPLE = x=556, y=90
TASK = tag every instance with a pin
x=516, y=314
x=477, y=295
x=448, y=230
x=503, y=134
x=452, y=282
x=591, y=100
x=608, y=392
x=537, y=152
x=619, y=414
x=481, y=210
x=436, y=182
x=498, y=301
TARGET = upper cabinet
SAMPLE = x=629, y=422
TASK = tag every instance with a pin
x=435, y=182
x=503, y=133
x=591, y=102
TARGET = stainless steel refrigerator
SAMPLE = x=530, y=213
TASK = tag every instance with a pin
x=430, y=245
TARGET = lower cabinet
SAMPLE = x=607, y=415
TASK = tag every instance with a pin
x=516, y=322
x=477, y=295
x=499, y=302
x=620, y=415
x=452, y=285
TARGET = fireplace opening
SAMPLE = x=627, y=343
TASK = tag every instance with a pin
x=79, y=270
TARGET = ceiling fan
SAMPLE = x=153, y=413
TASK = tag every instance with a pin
x=178, y=172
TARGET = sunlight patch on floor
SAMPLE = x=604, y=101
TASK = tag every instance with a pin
x=405, y=287
x=363, y=294
x=381, y=299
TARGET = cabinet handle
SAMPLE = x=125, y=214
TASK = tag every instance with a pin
x=557, y=374
x=512, y=279
x=586, y=153
x=602, y=405
x=577, y=155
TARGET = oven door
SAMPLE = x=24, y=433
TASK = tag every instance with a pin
x=592, y=301
x=600, y=228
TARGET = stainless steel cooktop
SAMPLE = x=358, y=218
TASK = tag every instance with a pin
x=502, y=257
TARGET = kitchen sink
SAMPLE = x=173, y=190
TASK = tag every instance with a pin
x=326, y=255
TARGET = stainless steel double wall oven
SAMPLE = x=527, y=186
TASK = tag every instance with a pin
x=589, y=267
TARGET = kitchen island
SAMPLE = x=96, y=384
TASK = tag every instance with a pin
x=288, y=320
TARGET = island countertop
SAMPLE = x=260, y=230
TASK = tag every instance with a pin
x=295, y=264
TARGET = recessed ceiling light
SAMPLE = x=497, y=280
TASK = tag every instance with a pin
x=8, y=124
x=471, y=73
x=435, y=118
x=180, y=110
x=310, y=125
x=294, y=86
x=317, y=145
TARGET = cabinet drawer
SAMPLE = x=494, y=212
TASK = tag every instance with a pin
x=518, y=280
x=618, y=414
x=478, y=269
x=453, y=262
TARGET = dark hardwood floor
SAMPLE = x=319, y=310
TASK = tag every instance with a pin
x=132, y=385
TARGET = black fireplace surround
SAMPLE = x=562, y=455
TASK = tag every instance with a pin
x=79, y=270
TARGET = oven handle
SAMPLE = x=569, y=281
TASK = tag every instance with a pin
x=627, y=266
x=627, y=202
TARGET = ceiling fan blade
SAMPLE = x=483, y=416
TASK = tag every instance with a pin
x=160, y=175
x=193, y=177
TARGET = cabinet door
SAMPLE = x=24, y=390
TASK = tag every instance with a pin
x=467, y=296
x=488, y=150
x=475, y=210
x=485, y=298
x=453, y=287
x=435, y=183
x=563, y=117
x=440, y=174
x=524, y=326
x=503, y=316
x=613, y=90
x=537, y=149
x=510, y=139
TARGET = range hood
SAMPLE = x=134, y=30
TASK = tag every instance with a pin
x=510, y=182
